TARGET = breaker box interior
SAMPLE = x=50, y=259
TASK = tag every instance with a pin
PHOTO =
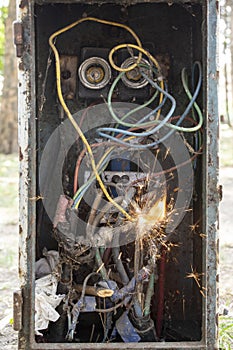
x=116, y=235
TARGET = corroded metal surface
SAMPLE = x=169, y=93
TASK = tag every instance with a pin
x=27, y=155
x=211, y=166
x=17, y=310
x=121, y=2
x=126, y=346
x=27, y=183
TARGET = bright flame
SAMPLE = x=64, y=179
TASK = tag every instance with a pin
x=155, y=215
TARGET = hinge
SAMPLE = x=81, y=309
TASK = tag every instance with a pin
x=17, y=310
x=18, y=38
x=220, y=192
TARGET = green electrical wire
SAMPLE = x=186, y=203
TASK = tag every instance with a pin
x=149, y=294
x=138, y=108
x=172, y=126
x=188, y=93
x=101, y=268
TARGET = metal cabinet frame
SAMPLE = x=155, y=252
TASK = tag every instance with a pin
x=27, y=187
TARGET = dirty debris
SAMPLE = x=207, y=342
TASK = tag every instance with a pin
x=46, y=301
x=48, y=264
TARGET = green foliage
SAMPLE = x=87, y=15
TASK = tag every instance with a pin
x=225, y=333
x=3, y=16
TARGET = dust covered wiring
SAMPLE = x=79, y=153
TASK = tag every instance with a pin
x=122, y=297
x=160, y=123
x=112, y=233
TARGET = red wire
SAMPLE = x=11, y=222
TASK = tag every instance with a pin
x=161, y=283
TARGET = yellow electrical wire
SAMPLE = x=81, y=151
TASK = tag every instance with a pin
x=97, y=167
x=101, y=161
x=103, y=21
x=133, y=46
x=66, y=109
x=146, y=53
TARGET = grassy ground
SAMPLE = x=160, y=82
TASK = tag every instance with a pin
x=8, y=247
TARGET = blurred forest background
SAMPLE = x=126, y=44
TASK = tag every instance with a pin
x=8, y=80
x=9, y=172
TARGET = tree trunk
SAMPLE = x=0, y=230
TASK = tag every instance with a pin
x=229, y=119
x=8, y=108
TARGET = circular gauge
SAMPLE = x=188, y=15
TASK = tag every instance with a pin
x=133, y=79
x=95, y=73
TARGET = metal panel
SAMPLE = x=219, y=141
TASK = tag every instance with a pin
x=212, y=166
x=27, y=183
x=28, y=171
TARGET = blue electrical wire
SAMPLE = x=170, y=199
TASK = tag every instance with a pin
x=157, y=108
x=152, y=131
x=121, y=141
x=137, y=146
x=83, y=189
x=198, y=137
x=192, y=101
x=136, y=109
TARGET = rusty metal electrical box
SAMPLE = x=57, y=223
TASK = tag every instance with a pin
x=118, y=137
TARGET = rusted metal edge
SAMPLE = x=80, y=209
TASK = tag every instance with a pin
x=27, y=169
x=204, y=167
x=120, y=2
x=18, y=38
x=28, y=186
x=121, y=346
x=212, y=174
x=17, y=310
